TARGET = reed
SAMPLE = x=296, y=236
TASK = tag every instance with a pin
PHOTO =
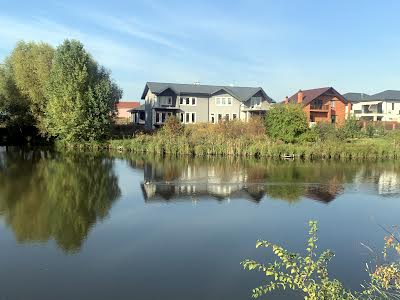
x=238, y=139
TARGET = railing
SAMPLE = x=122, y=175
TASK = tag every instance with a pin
x=319, y=107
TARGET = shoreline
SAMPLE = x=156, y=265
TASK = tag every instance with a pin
x=365, y=149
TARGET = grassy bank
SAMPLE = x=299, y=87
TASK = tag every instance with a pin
x=247, y=140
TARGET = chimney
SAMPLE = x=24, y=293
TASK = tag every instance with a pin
x=300, y=96
x=287, y=100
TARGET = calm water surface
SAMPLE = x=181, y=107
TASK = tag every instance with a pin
x=85, y=226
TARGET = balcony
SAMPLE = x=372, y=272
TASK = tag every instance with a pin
x=316, y=107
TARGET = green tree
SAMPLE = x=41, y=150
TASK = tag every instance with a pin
x=14, y=106
x=81, y=96
x=351, y=127
x=286, y=122
x=31, y=63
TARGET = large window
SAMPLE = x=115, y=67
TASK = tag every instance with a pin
x=188, y=101
x=255, y=101
x=190, y=117
x=223, y=101
x=165, y=100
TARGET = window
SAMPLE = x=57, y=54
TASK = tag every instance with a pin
x=227, y=117
x=333, y=119
x=234, y=116
x=255, y=101
x=193, y=118
x=223, y=101
x=163, y=117
x=157, y=118
x=182, y=116
x=219, y=117
x=187, y=117
x=333, y=104
x=212, y=118
x=392, y=106
x=188, y=100
x=169, y=100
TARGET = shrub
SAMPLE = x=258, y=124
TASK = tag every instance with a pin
x=286, y=122
x=172, y=126
x=351, y=127
x=309, y=274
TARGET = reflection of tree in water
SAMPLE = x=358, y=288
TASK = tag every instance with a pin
x=58, y=198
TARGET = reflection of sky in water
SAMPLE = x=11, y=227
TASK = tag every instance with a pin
x=144, y=249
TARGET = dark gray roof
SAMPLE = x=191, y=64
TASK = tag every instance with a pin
x=241, y=93
x=138, y=108
x=356, y=97
x=385, y=95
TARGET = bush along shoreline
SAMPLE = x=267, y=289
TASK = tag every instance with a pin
x=239, y=139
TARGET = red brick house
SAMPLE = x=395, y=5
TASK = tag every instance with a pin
x=322, y=105
x=123, y=108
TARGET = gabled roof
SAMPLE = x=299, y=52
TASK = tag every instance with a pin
x=310, y=95
x=241, y=93
x=127, y=104
x=356, y=97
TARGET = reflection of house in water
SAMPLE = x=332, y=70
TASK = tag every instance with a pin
x=389, y=183
x=172, y=182
x=195, y=181
x=386, y=180
x=324, y=192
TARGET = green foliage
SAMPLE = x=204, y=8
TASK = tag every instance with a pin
x=286, y=122
x=309, y=274
x=172, y=127
x=351, y=127
x=13, y=105
x=31, y=63
x=81, y=96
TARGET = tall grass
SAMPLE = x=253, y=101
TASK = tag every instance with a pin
x=241, y=139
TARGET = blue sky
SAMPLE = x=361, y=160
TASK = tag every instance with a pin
x=282, y=46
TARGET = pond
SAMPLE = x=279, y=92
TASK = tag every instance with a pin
x=95, y=226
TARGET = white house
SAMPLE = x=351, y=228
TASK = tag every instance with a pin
x=384, y=106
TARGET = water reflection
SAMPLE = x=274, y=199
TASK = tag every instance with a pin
x=188, y=180
x=46, y=196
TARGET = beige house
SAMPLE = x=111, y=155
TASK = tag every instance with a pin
x=195, y=103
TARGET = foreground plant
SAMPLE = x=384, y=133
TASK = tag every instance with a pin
x=309, y=274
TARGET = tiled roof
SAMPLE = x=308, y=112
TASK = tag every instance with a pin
x=309, y=95
x=127, y=104
x=241, y=93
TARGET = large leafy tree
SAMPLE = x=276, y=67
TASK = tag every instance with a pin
x=14, y=106
x=286, y=122
x=81, y=95
x=31, y=64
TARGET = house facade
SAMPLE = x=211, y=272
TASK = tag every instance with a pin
x=322, y=105
x=195, y=103
x=384, y=106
